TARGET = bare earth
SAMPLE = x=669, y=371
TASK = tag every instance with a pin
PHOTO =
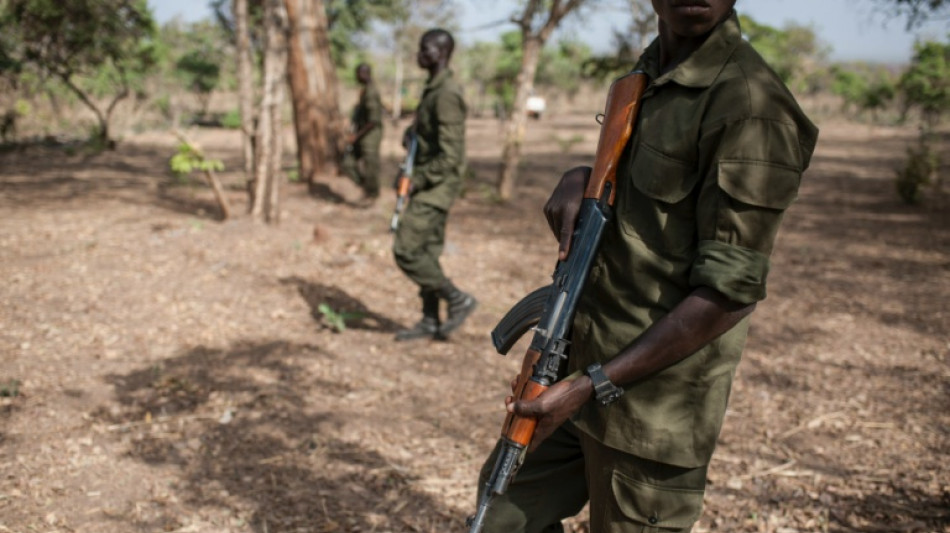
x=163, y=371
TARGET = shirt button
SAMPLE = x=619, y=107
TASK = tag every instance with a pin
x=653, y=520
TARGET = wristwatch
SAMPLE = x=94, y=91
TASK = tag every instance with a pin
x=605, y=391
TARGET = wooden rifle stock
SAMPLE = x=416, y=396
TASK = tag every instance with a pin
x=623, y=102
x=404, y=183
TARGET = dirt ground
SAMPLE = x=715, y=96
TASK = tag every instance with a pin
x=162, y=371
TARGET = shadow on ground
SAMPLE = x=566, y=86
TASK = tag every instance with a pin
x=339, y=301
x=273, y=452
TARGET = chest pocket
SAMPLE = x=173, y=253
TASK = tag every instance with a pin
x=657, y=204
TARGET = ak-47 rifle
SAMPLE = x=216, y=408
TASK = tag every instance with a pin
x=404, y=182
x=550, y=310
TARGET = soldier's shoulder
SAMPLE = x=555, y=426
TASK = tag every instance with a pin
x=454, y=88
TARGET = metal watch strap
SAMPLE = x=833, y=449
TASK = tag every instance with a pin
x=604, y=390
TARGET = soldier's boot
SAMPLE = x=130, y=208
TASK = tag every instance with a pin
x=460, y=306
x=428, y=327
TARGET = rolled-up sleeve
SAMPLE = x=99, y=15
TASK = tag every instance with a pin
x=747, y=188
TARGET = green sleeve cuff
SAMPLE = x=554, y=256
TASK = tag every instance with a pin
x=738, y=273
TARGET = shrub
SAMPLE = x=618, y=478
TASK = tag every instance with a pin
x=919, y=170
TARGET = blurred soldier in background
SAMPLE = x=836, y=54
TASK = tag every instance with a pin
x=361, y=160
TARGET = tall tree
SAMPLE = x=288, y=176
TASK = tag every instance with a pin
x=537, y=22
x=300, y=52
x=265, y=199
x=108, y=42
x=324, y=85
x=245, y=70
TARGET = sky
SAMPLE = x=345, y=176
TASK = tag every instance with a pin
x=853, y=29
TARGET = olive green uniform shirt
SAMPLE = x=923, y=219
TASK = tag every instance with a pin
x=440, y=129
x=369, y=110
x=716, y=157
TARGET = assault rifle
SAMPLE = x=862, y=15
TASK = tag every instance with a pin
x=549, y=311
x=404, y=182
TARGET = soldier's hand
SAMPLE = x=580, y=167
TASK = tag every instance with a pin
x=563, y=206
x=553, y=407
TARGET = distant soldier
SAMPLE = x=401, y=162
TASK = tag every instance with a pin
x=436, y=181
x=361, y=160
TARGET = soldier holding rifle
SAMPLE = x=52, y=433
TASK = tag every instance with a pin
x=715, y=158
x=439, y=130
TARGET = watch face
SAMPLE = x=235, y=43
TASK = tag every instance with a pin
x=605, y=391
x=611, y=396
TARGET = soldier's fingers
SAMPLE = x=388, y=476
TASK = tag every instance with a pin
x=564, y=243
x=526, y=408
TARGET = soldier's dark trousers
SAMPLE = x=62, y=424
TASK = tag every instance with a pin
x=627, y=494
x=418, y=244
x=362, y=164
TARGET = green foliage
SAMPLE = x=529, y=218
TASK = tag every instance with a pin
x=79, y=36
x=22, y=107
x=848, y=84
x=562, y=67
x=201, y=73
x=164, y=105
x=195, y=57
x=189, y=159
x=336, y=320
x=863, y=87
x=926, y=83
x=786, y=50
x=10, y=388
x=919, y=170
x=348, y=20
x=499, y=63
x=95, y=47
x=231, y=120
x=293, y=175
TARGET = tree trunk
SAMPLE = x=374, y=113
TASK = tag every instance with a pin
x=305, y=119
x=265, y=206
x=325, y=87
x=515, y=129
x=533, y=37
x=245, y=91
x=219, y=194
x=103, y=117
